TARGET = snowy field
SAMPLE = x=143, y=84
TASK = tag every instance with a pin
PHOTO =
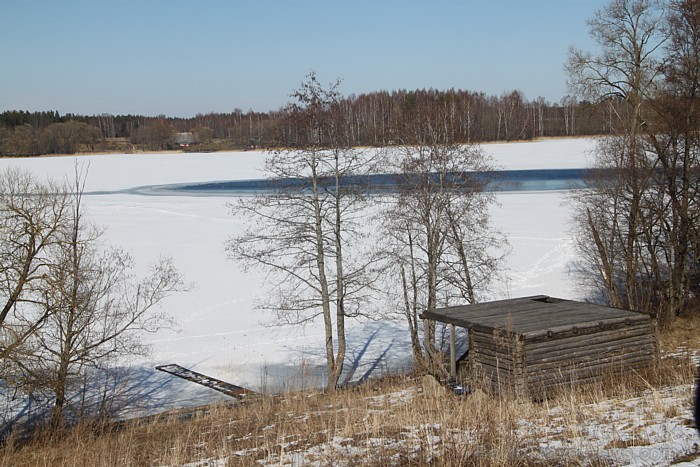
x=220, y=333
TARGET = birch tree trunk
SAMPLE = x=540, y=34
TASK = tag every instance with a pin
x=298, y=233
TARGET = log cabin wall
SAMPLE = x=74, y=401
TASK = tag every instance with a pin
x=532, y=346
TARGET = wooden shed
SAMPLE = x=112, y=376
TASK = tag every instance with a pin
x=532, y=345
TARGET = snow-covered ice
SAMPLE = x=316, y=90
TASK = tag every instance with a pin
x=221, y=334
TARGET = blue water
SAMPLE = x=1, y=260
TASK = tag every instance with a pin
x=501, y=180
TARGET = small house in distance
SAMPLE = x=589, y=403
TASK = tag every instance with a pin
x=532, y=345
x=184, y=140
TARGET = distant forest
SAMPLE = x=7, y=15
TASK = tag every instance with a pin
x=374, y=119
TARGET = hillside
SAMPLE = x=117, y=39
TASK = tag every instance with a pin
x=638, y=420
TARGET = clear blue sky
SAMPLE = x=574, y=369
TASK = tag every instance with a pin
x=180, y=58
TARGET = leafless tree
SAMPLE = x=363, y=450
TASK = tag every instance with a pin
x=308, y=232
x=637, y=222
x=68, y=137
x=94, y=310
x=568, y=104
x=674, y=138
x=371, y=119
x=442, y=246
x=607, y=244
x=32, y=216
x=630, y=35
x=157, y=135
x=24, y=141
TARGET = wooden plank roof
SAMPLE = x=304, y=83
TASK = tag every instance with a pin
x=533, y=316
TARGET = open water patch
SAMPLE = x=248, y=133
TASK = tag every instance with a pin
x=500, y=180
x=497, y=180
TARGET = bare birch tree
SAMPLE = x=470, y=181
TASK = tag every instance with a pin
x=442, y=246
x=94, y=311
x=300, y=233
x=674, y=139
x=32, y=215
x=630, y=35
x=637, y=221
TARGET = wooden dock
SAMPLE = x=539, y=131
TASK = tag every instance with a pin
x=229, y=389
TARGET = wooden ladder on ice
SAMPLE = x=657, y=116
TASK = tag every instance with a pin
x=213, y=383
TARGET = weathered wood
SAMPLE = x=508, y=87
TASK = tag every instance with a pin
x=583, y=327
x=543, y=391
x=229, y=389
x=607, y=363
x=471, y=350
x=534, y=344
x=482, y=354
x=496, y=375
x=566, y=315
x=545, y=385
x=493, y=347
x=596, y=348
x=496, y=363
x=583, y=356
x=495, y=360
x=589, y=338
x=598, y=352
x=519, y=370
x=453, y=353
x=592, y=344
x=489, y=338
x=494, y=352
x=529, y=314
x=601, y=368
x=549, y=378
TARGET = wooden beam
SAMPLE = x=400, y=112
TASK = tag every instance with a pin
x=453, y=353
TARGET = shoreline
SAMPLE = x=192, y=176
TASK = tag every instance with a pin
x=258, y=150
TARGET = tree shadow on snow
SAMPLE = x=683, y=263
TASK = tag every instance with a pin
x=373, y=350
x=114, y=393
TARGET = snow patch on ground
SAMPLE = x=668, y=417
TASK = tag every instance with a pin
x=653, y=429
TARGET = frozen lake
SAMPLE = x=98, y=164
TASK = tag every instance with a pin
x=221, y=334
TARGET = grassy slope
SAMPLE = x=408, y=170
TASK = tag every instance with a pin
x=397, y=421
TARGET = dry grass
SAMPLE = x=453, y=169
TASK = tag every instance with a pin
x=389, y=422
x=682, y=336
x=393, y=418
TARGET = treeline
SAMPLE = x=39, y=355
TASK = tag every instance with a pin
x=374, y=119
x=66, y=137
